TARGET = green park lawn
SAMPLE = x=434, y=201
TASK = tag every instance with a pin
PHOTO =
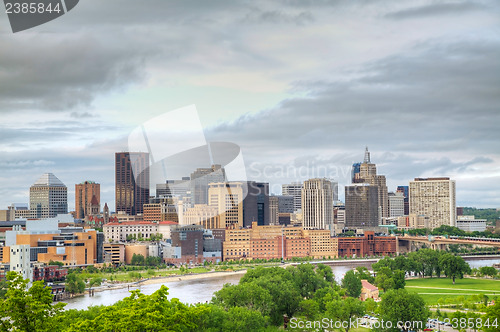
x=433, y=289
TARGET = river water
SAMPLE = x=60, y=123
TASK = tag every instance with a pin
x=201, y=290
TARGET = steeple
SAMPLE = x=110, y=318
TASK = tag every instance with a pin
x=367, y=156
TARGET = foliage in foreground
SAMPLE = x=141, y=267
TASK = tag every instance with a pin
x=257, y=303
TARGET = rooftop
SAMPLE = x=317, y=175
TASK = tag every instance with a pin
x=368, y=286
x=48, y=180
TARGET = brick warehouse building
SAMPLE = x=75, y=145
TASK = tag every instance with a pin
x=367, y=245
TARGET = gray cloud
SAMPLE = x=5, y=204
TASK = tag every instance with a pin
x=440, y=96
x=278, y=17
x=437, y=9
x=81, y=115
x=423, y=108
x=67, y=72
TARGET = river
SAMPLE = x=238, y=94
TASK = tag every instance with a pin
x=201, y=290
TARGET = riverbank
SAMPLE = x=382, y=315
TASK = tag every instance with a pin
x=185, y=277
x=163, y=279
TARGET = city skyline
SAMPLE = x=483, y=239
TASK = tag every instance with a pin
x=216, y=169
x=300, y=87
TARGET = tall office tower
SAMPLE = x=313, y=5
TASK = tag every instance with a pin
x=255, y=203
x=273, y=210
x=48, y=197
x=361, y=206
x=201, y=178
x=434, y=198
x=227, y=197
x=286, y=203
x=86, y=193
x=335, y=191
x=131, y=181
x=366, y=172
x=174, y=188
x=396, y=204
x=317, y=204
x=404, y=190
x=293, y=189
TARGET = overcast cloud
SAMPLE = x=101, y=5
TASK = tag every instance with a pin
x=301, y=86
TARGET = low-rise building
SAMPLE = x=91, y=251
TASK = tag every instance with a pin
x=49, y=273
x=271, y=242
x=471, y=224
x=368, y=291
x=135, y=249
x=114, y=253
x=119, y=231
x=367, y=245
x=413, y=221
x=323, y=245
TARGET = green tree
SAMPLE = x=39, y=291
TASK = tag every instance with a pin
x=137, y=260
x=453, y=266
x=60, y=264
x=384, y=279
x=306, y=279
x=488, y=271
x=96, y=281
x=140, y=312
x=325, y=272
x=26, y=309
x=309, y=309
x=153, y=261
x=391, y=309
x=370, y=305
x=345, y=310
x=492, y=318
x=352, y=284
x=245, y=295
x=3, y=288
x=364, y=274
x=74, y=284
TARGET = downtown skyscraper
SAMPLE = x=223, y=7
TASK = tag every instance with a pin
x=317, y=204
x=366, y=172
x=131, y=181
x=434, y=198
x=48, y=197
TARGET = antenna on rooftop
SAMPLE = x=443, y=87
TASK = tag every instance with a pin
x=367, y=156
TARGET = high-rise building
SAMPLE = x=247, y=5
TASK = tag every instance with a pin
x=201, y=178
x=48, y=197
x=174, y=188
x=361, y=206
x=131, y=181
x=434, y=198
x=273, y=210
x=286, y=204
x=396, y=204
x=366, y=172
x=335, y=191
x=405, y=190
x=293, y=189
x=205, y=215
x=227, y=197
x=255, y=203
x=86, y=193
x=317, y=204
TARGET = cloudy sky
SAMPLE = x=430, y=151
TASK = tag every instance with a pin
x=301, y=86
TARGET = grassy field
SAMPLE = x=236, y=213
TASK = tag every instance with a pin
x=434, y=289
